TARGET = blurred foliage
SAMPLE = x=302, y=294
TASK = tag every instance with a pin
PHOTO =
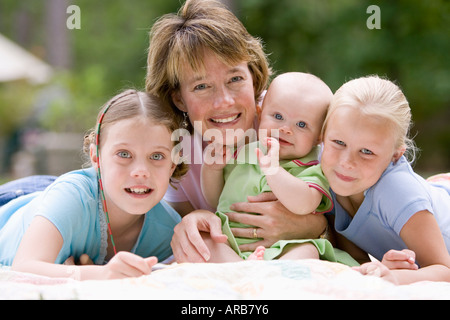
x=108, y=55
x=331, y=40
x=16, y=99
x=328, y=38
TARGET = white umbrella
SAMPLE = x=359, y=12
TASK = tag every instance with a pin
x=16, y=63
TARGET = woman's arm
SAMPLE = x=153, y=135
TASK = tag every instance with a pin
x=40, y=247
x=274, y=222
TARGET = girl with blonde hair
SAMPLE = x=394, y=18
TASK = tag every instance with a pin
x=381, y=206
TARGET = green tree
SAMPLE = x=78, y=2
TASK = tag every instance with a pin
x=330, y=39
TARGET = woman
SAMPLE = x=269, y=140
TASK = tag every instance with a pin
x=206, y=64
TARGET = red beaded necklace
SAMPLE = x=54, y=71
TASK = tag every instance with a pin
x=105, y=208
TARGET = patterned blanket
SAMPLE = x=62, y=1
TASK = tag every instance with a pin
x=306, y=279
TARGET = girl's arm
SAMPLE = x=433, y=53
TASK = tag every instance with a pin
x=294, y=193
x=341, y=242
x=422, y=235
x=40, y=247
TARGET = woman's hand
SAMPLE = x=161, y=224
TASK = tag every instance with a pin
x=187, y=242
x=273, y=222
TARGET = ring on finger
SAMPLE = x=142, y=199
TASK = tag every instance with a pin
x=255, y=233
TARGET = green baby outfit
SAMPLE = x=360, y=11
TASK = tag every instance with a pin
x=243, y=177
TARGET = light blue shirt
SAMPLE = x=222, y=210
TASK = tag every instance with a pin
x=388, y=205
x=73, y=205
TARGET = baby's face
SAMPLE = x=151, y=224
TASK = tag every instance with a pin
x=297, y=117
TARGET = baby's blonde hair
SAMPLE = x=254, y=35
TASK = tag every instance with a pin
x=377, y=97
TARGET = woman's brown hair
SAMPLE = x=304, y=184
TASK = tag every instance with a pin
x=177, y=39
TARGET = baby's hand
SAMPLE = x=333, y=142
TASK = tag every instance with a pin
x=216, y=156
x=405, y=259
x=126, y=264
x=269, y=163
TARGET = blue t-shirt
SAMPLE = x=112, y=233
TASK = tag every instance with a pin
x=73, y=205
x=388, y=205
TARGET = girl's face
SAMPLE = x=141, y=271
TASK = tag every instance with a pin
x=357, y=150
x=135, y=163
x=221, y=98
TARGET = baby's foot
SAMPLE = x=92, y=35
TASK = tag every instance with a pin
x=258, y=254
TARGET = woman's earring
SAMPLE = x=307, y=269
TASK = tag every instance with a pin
x=185, y=122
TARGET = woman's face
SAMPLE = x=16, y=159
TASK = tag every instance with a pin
x=221, y=98
x=357, y=150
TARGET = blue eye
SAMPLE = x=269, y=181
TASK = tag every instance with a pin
x=200, y=87
x=301, y=124
x=366, y=151
x=236, y=79
x=124, y=154
x=278, y=116
x=157, y=156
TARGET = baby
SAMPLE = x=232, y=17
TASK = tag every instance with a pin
x=283, y=161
